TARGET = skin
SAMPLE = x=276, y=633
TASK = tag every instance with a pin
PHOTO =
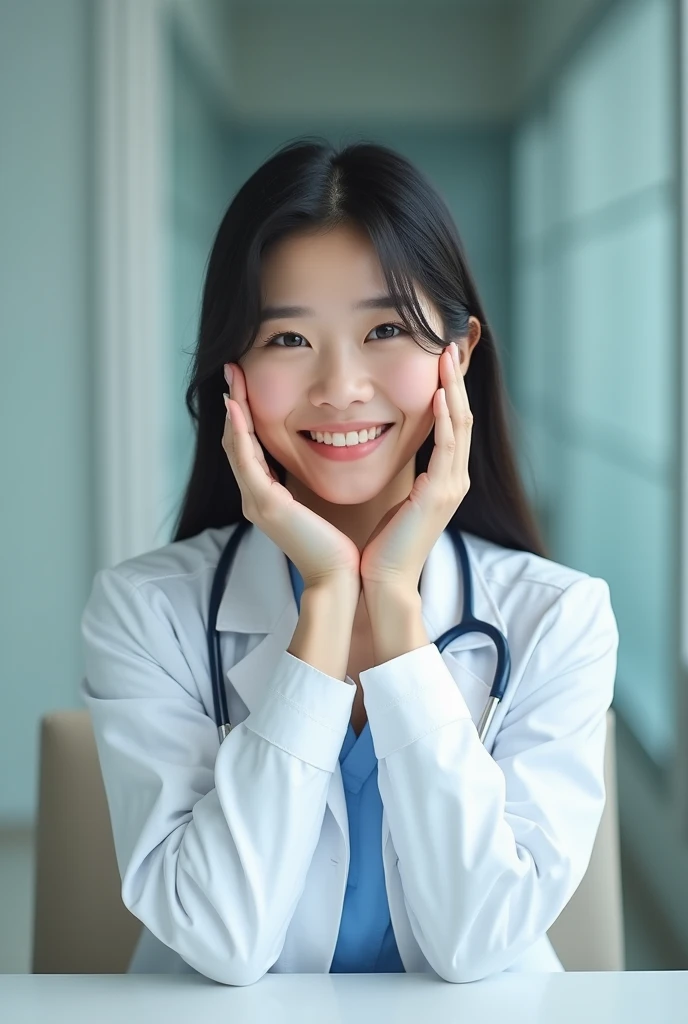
x=340, y=368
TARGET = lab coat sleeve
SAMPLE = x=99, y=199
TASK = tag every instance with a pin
x=213, y=842
x=491, y=847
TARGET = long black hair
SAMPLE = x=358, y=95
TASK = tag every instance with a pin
x=310, y=184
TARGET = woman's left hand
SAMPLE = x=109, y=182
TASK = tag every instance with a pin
x=398, y=547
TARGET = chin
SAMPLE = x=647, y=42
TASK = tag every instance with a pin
x=344, y=495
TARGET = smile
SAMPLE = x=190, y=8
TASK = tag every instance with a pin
x=345, y=452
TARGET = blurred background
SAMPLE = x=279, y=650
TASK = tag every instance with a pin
x=555, y=129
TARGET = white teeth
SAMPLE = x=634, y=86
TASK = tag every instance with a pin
x=346, y=440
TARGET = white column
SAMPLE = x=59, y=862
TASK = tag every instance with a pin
x=130, y=385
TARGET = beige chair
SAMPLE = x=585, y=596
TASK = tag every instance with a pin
x=81, y=925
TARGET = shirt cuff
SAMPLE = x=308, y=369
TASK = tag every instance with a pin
x=306, y=712
x=410, y=696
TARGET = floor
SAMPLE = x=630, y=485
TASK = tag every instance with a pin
x=648, y=946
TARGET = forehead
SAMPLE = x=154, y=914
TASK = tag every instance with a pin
x=311, y=267
x=327, y=271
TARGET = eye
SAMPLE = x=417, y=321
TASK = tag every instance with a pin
x=388, y=327
x=272, y=340
x=284, y=334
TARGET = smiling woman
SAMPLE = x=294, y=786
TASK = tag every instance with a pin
x=357, y=815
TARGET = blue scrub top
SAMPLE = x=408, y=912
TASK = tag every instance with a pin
x=366, y=942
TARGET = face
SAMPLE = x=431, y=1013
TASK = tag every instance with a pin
x=337, y=360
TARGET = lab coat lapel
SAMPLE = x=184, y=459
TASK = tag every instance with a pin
x=258, y=599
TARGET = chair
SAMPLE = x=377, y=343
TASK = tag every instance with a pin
x=81, y=925
x=588, y=935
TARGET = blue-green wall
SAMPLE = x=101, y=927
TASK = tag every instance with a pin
x=48, y=403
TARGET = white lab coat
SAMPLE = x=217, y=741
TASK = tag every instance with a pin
x=235, y=856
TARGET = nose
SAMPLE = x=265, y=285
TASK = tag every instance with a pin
x=342, y=380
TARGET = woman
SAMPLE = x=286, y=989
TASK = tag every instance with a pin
x=352, y=819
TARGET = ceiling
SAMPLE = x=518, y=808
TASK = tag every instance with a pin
x=374, y=5
x=419, y=61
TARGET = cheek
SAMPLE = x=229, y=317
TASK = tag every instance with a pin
x=412, y=386
x=269, y=395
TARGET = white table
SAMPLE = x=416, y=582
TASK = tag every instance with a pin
x=655, y=997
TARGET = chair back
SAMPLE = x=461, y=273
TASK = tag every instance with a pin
x=81, y=925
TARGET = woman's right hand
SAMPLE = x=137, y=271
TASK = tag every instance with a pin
x=320, y=552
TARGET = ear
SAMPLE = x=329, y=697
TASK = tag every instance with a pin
x=468, y=343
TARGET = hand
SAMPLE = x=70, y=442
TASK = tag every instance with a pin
x=399, y=545
x=319, y=550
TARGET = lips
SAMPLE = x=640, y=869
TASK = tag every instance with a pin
x=346, y=453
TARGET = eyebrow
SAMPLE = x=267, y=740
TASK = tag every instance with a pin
x=279, y=312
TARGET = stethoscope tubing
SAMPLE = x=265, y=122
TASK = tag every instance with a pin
x=468, y=624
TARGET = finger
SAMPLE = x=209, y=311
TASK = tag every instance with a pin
x=441, y=464
x=457, y=396
x=251, y=475
x=229, y=439
x=240, y=396
x=229, y=443
x=460, y=414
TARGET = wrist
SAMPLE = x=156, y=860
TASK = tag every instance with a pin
x=339, y=594
x=322, y=637
x=381, y=595
x=396, y=621
x=343, y=585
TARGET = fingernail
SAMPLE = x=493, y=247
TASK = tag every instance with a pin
x=226, y=398
x=455, y=353
x=228, y=373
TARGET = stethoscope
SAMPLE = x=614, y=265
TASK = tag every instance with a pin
x=468, y=624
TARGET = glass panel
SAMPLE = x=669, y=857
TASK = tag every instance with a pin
x=614, y=106
x=618, y=335
x=613, y=523
x=530, y=179
x=533, y=369
x=539, y=462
